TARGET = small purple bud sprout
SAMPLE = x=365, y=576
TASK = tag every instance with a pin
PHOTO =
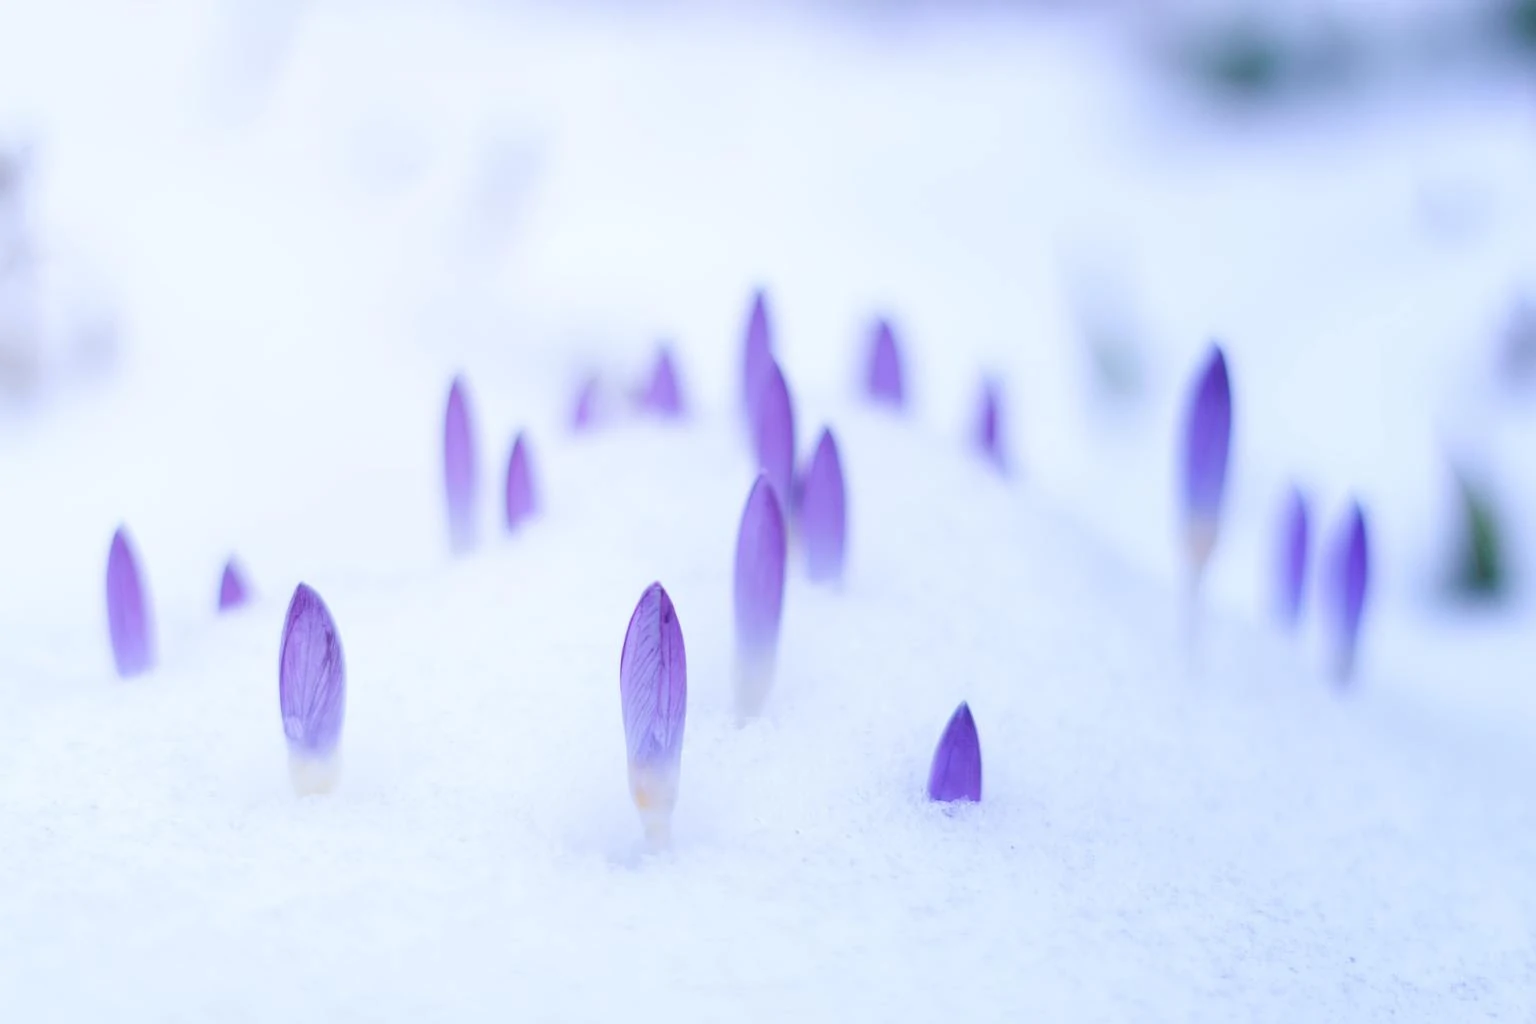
x=653, y=693
x=823, y=512
x=128, y=619
x=233, y=591
x=662, y=395
x=884, y=382
x=584, y=416
x=956, y=771
x=521, y=501
x=1207, y=438
x=989, y=440
x=773, y=434
x=1292, y=567
x=760, y=554
x=757, y=355
x=459, y=470
x=312, y=692
x=1351, y=574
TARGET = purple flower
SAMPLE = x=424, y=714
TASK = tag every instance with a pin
x=823, y=512
x=1351, y=574
x=884, y=382
x=1292, y=558
x=459, y=469
x=956, y=771
x=1207, y=437
x=773, y=434
x=128, y=621
x=584, y=416
x=989, y=441
x=312, y=690
x=758, y=354
x=759, y=596
x=662, y=395
x=653, y=692
x=233, y=592
x=521, y=503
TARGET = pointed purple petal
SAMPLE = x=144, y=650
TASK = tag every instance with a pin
x=759, y=593
x=662, y=395
x=311, y=677
x=653, y=685
x=1351, y=572
x=774, y=433
x=1292, y=558
x=988, y=426
x=128, y=621
x=1207, y=437
x=521, y=503
x=584, y=416
x=956, y=771
x=233, y=592
x=823, y=513
x=884, y=382
x=459, y=469
x=758, y=354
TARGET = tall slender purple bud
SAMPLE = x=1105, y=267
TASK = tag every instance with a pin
x=653, y=693
x=312, y=692
x=757, y=354
x=989, y=438
x=1351, y=577
x=1207, y=438
x=884, y=382
x=1292, y=560
x=521, y=500
x=584, y=415
x=774, y=434
x=760, y=552
x=956, y=771
x=128, y=618
x=823, y=512
x=233, y=590
x=459, y=469
x=663, y=395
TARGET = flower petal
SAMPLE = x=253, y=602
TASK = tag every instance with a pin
x=759, y=595
x=663, y=395
x=128, y=618
x=311, y=677
x=233, y=591
x=1207, y=438
x=774, y=434
x=521, y=502
x=459, y=469
x=956, y=771
x=1351, y=573
x=884, y=381
x=823, y=512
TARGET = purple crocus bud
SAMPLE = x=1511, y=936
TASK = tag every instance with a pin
x=128, y=621
x=884, y=381
x=956, y=771
x=521, y=503
x=823, y=512
x=1351, y=574
x=760, y=550
x=1207, y=436
x=312, y=692
x=758, y=354
x=989, y=441
x=584, y=416
x=773, y=434
x=459, y=469
x=662, y=395
x=1292, y=558
x=233, y=592
x=653, y=691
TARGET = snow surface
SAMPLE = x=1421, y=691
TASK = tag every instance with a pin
x=299, y=257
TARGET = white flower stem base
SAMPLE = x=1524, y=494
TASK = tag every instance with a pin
x=312, y=775
x=754, y=678
x=654, y=790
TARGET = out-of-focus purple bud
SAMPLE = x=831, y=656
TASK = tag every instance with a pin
x=1292, y=567
x=884, y=382
x=312, y=691
x=233, y=591
x=584, y=416
x=653, y=692
x=459, y=469
x=760, y=551
x=823, y=512
x=758, y=354
x=773, y=434
x=1207, y=437
x=1351, y=576
x=662, y=395
x=956, y=771
x=521, y=502
x=989, y=439
x=128, y=619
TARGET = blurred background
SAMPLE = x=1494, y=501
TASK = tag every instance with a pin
x=245, y=243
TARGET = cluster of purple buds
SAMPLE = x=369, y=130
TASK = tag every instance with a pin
x=653, y=696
